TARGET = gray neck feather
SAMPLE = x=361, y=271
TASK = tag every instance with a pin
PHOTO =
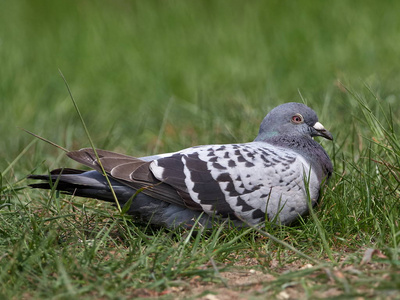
x=309, y=149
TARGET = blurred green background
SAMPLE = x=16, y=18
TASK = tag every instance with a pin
x=157, y=76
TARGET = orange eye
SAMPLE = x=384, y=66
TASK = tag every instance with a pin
x=297, y=119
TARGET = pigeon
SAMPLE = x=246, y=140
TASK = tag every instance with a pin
x=270, y=179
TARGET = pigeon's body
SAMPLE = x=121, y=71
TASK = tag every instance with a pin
x=268, y=179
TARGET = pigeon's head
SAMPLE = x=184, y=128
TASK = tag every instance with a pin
x=292, y=119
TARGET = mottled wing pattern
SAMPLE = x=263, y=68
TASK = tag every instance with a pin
x=240, y=180
x=135, y=173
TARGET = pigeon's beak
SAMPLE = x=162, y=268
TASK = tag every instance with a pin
x=321, y=131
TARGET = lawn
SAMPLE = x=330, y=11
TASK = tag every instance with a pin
x=158, y=76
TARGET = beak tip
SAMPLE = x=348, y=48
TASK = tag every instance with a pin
x=326, y=134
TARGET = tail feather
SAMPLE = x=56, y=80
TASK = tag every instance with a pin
x=65, y=171
x=89, y=184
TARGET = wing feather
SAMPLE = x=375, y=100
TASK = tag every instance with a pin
x=133, y=172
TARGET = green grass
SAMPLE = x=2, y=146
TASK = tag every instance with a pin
x=158, y=76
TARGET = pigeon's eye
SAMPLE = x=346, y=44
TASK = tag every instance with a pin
x=297, y=119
